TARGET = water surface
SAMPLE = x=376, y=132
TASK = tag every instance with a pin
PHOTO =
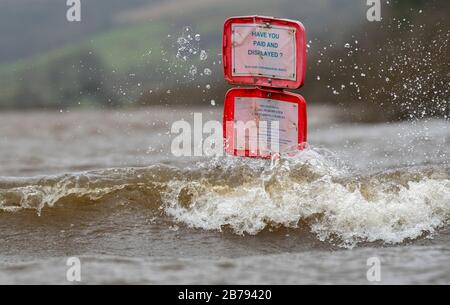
x=103, y=186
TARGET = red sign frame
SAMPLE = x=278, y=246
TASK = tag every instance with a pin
x=271, y=82
x=229, y=116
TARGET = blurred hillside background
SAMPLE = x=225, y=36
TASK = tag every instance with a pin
x=167, y=52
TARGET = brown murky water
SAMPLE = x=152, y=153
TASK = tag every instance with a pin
x=104, y=186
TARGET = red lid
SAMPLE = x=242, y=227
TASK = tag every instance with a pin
x=264, y=51
x=261, y=123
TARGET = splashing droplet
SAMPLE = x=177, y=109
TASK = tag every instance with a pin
x=207, y=71
x=203, y=55
x=193, y=70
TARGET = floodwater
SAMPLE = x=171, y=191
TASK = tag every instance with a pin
x=103, y=186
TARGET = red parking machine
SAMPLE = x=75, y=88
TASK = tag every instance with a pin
x=270, y=54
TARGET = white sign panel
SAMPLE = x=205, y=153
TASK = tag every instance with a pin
x=264, y=51
x=263, y=113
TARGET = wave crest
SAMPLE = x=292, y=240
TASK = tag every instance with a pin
x=247, y=196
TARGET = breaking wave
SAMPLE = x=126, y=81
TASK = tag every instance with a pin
x=310, y=190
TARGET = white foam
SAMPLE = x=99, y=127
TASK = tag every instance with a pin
x=308, y=188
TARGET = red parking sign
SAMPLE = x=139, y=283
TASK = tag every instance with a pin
x=264, y=51
x=263, y=122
